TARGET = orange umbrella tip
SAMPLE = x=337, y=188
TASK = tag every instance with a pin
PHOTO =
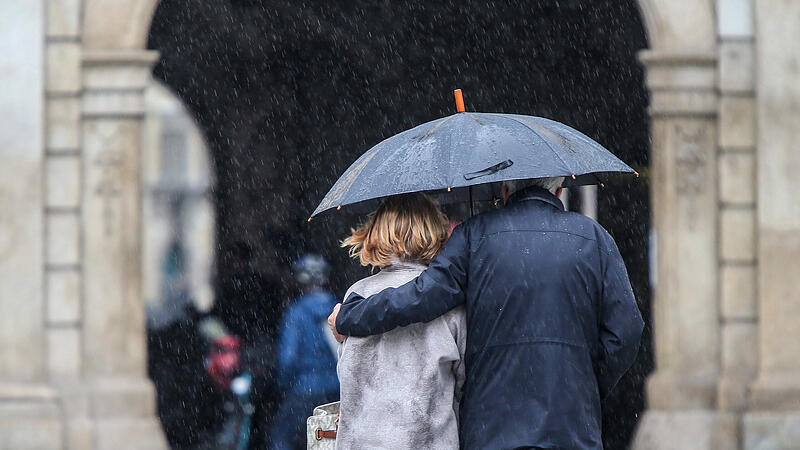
x=459, y=101
x=309, y=219
x=573, y=176
x=602, y=185
x=636, y=173
x=339, y=208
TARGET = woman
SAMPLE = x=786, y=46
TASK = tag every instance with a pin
x=401, y=389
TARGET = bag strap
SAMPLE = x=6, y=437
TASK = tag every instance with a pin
x=329, y=434
x=326, y=434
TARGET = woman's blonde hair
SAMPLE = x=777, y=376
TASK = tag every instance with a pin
x=408, y=226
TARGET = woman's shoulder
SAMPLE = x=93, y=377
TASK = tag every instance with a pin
x=363, y=287
x=375, y=283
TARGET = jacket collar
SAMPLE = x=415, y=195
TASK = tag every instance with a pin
x=401, y=264
x=536, y=193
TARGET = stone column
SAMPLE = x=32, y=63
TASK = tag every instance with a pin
x=737, y=194
x=29, y=413
x=113, y=407
x=773, y=418
x=681, y=393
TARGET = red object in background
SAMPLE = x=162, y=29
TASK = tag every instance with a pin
x=222, y=361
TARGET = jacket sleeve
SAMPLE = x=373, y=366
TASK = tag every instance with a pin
x=435, y=291
x=620, y=322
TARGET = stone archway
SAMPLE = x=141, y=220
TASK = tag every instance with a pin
x=681, y=73
x=112, y=404
x=681, y=76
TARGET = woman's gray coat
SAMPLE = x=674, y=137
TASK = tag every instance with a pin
x=400, y=390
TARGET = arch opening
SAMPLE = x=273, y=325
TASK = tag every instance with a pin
x=290, y=94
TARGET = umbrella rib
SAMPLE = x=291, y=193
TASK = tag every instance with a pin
x=436, y=127
x=546, y=141
x=473, y=117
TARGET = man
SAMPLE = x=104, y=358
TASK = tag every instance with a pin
x=552, y=323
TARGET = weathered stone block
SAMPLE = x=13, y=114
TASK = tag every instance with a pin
x=21, y=195
x=63, y=181
x=737, y=234
x=733, y=389
x=737, y=122
x=63, y=296
x=34, y=434
x=735, y=18
x=737, y=66
x=771, y=430
x=63, y=18
x=737, y=178
x=739, y=345
x=682, y=389
x=63, y=67
x=63, y=123
x=686, y=429
x=129, y=434
x=79, y=434
x=122, y=397
x=779, y=309
x=64, y=352
x=738, y=291
x=63, y=238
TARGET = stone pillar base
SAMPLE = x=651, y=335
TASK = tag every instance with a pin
x=694, y=429
x=30, y=417
x=111, y=414
x=678, y=391
x=771, y=430
x=776, y=391
x=115, y=434
x=773, y=421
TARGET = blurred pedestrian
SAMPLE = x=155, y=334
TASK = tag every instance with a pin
x=306, y=360
x=246, y=304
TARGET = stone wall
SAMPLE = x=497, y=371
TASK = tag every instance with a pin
x=72, y=344
x=773, y=416
x=753, y=364
x=29, y=413
x=737, y=196
x=63, y=186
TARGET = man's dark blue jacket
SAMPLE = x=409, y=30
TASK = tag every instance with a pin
x=552, y=322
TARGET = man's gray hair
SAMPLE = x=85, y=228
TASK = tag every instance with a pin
x=551, y=184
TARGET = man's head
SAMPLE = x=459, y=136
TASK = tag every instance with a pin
x=552, y=184
x=311, y=271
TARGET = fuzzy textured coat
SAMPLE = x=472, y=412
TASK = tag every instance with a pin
x=400, y=390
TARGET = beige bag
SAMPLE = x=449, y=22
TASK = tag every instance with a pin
x=321, y=427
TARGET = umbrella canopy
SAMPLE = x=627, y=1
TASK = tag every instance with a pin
x=470, y=149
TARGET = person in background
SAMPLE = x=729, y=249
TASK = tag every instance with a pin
x=306, y=360
x=246, y=302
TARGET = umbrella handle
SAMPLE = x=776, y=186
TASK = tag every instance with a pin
x=489, y=170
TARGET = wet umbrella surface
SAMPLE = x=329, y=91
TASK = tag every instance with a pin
x=469, y=149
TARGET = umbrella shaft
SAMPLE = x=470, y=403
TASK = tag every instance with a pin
x=471, y=207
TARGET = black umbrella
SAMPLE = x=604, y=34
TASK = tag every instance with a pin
x=455, y=153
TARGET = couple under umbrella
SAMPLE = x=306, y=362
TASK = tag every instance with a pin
x=506, y=332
